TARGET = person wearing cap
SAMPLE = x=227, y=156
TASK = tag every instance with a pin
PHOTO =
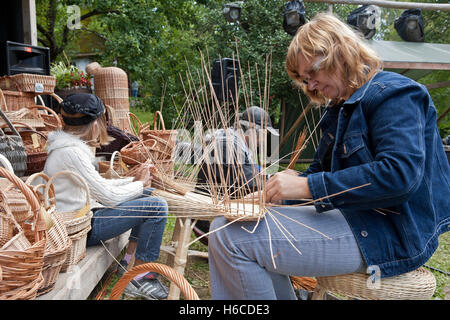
x=378, y=189
x=231, y=159
x=110, y=200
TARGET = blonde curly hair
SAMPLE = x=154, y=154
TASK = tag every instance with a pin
x=343, y=50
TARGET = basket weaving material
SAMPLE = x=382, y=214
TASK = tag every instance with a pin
x=75, y=221
x=168, y=272
x=22, y=268
x=419, y=284
x=26, y=82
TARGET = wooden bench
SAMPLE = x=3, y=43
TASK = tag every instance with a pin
x=79, y=280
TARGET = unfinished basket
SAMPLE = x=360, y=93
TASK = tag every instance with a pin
x=27, y=82
x=22, y=266
x=419, y=284
x=168, y=272
x=58, y=241
x=137, y=152
x=75, y=221
x=166, y=139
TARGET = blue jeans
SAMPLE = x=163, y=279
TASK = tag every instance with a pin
x=148, y=216
x=241, y=265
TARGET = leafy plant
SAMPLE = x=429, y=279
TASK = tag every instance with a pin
x=69, y=76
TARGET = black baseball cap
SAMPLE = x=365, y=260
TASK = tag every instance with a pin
x=81, y=108
x=257, y=116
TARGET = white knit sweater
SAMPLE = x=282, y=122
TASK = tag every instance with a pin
x=68, y=152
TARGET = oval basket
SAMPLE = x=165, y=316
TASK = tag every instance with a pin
x=75, y=221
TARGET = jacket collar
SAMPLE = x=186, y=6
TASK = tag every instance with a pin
x=360, y=93
x=60, y=139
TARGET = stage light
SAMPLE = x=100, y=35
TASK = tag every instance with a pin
x=410, y=25
x=293, y=16
x=232, y=11
x=365, y=19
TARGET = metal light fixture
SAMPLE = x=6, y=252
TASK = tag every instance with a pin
x=365, y=19
x=410, y=25
x=232, y=11
x=293, y=16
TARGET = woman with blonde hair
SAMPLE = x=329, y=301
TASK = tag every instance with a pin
x=112, y=200
x=378, y=187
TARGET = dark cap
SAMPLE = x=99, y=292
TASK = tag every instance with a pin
x=259, y=117
x=81, y=108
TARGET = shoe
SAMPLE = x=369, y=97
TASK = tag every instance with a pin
x=121, y=268
x=149, y=287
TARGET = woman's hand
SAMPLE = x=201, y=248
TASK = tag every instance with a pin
x=143, y=174
x=286, y=186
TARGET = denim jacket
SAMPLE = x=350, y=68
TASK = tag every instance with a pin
x=386, y=138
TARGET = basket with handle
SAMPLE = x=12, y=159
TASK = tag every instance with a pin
x=58, y=242
x=22, y=258
x=113, y=169
x=137, y=152
x=50, y=118
x=12, y=147
x=168, y=272
x=166, y=139
x=78, y=220
x=35, y=143
x=27, y=82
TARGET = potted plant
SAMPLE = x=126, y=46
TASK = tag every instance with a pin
x=70, y=79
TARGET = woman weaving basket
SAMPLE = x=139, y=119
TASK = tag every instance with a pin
x=379, y=182
x=111, y=199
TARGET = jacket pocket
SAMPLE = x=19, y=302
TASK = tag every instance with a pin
x=354, y=150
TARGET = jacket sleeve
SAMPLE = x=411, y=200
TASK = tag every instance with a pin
x=105, y=191
x=396, y=124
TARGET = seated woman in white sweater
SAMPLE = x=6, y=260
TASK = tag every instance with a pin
x=111, y=199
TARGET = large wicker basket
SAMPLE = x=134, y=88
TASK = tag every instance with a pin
x=77, y=251
x=21, y=259
x=27, y=82
x=75, y=221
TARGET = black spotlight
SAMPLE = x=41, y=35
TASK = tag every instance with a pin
x=410, y=25
x=232, y=11
x=293, y=16
x=365, y=19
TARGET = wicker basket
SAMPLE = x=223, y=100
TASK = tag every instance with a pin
x=22, y=266
x=15, y=100
x=58, y=241
x=111, y=85
x=75, y=221
x=7, y=224
x=170, y=273
x=77, y=251
x=50, y=118
x=166, y=139
x=113, y=169
x=137, y=152
x=419, y=284
x=26, y=82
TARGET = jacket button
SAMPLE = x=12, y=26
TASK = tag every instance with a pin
x=364, y=233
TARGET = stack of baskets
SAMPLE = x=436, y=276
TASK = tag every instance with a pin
x=77, y=223
x=22, y=246
x=58, y=241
